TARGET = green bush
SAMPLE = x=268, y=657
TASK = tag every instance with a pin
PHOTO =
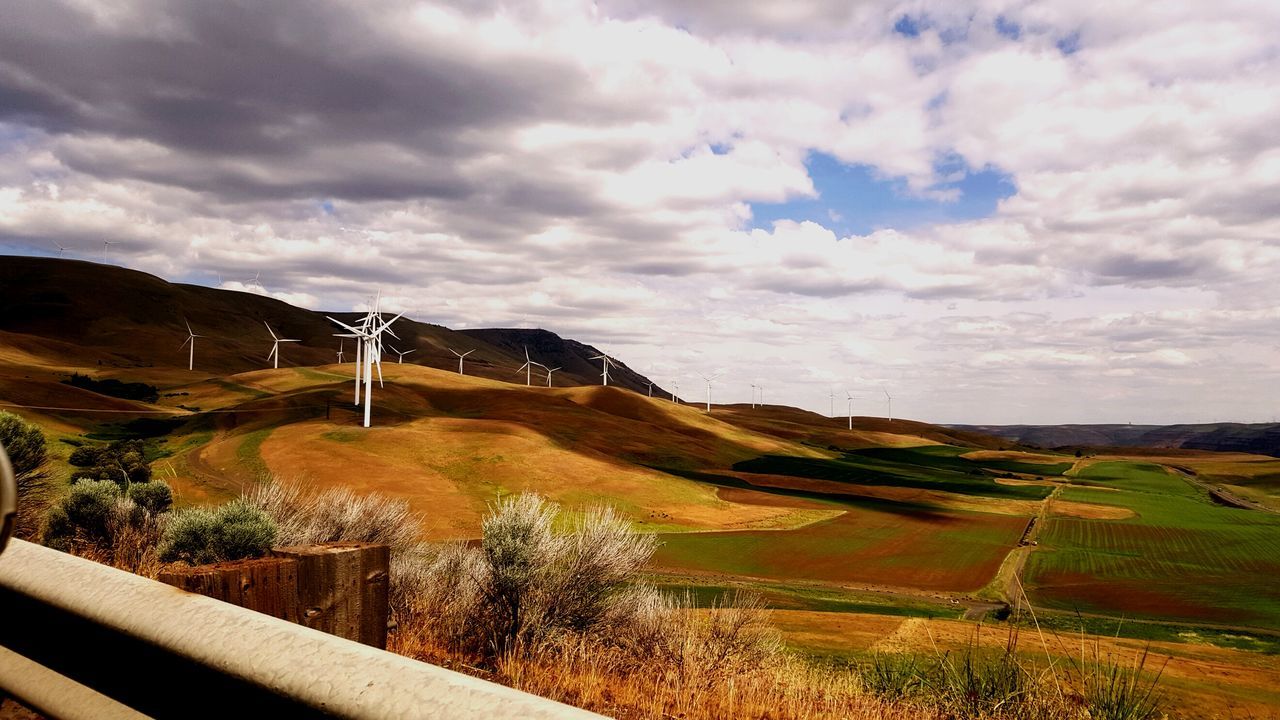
x=122, y=462
x=154, y=497
x=29, y=454
x=86, y=508
x=234, y=531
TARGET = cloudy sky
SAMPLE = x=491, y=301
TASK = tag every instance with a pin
x=1002, y=212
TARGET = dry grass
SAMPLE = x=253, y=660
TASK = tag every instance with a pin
x=310, y=517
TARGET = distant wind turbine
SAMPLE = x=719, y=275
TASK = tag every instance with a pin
x=402, y=354
x=832, y=396
x=460, y=357
x=255, y=281
x=605, y=362
x=753, y=395
x=850, y=397
x=650, y=384
x=60, y=248
x=341, y=344
x=888, y=399
x=709, y=381
x=549, y=371
x=191, y=339
x=527, y=367
x=274, y=355
x=675, y=389
x=369, y=330
x=105, y=245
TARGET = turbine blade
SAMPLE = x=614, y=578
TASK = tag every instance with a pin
x=273, y=334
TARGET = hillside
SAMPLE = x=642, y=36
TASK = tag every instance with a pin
x=83, y=314
x=1260, y=439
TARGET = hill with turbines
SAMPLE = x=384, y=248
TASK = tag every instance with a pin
x=872, y=526
x=118, y=319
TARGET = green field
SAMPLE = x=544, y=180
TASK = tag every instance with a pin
x=873, y=542
x=1181, y=557
x=932, y=467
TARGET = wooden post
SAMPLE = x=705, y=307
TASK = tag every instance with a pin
x=267, y=585
x=342, y=589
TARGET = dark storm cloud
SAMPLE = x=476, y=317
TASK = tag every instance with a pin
x=259, y=86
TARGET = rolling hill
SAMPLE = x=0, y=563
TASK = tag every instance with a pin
x=1261, y=439
x=92, y=315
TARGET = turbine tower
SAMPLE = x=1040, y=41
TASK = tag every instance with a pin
x=402, y=354
x=549, y=371
x=709, y=381
x=460, y=357
x=753, y=395
x=274, y=355
x=831, y=395
x=191, y=339
x=888, y=399
x=605, y=362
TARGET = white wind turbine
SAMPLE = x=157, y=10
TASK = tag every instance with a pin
x=709, y=381
x=753, y=395
x=888, y=399
x=675, y=389
x=850, y=397
x=549, y=371
x=60, y=248
x=106, y=244
x=832, y=396
x=650, y=384
x=191, y=338
x=402, y=353
x=605, y=362
x=255, y=281
x=527, y=367
x=460, y=357
x=341, y=346
x=761, y=403
x=370, y=346
x=274, y=355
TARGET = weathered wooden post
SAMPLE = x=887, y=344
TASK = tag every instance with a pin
x=342, y=589
x=267, y=585
x=338, y=588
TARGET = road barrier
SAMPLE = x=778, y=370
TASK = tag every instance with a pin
x=83, y=640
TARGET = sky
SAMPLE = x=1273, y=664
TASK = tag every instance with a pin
x=997, y=212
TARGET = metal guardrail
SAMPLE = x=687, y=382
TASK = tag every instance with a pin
x=83, y=640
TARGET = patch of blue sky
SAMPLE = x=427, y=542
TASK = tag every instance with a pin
x=857, y=200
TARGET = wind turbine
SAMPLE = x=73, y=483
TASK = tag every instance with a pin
x=460, y=357
x=850, y=397
x=675, y=388
x=191, y=338
x=341, y=344
x=255, y=281
x=105, y=245
x=709, y=381
x=274, y=355
x=527, y=367
x=402, y=354
x=650, y=384
x=60, y=248
x=753, y=395
x=605, y=362
x=832, y=396
x=370, y=334
x=761, y=403
x=889, y=399
x=549, y=371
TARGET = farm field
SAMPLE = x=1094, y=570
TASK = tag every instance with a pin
x=1201, y=681
x=1179, y=557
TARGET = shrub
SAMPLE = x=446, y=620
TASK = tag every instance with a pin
x=29, y=454
x=233, y=531
x=122, y=462
x=155, y=497
x=528, y=583
x=82, y=514
x=334, y=515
